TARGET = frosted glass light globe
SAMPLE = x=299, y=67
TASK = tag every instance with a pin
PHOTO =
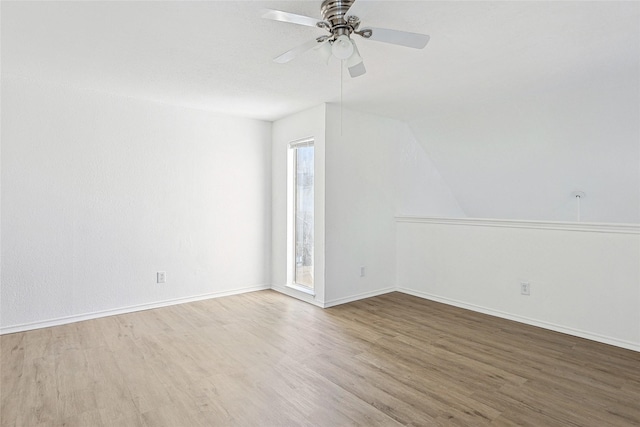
x=342, y=47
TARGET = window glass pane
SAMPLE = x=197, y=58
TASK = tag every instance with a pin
x=304, y=216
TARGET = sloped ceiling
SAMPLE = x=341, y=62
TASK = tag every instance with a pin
x=522, y=158
x=516, y=103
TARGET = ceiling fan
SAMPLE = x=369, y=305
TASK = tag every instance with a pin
x=341, y=26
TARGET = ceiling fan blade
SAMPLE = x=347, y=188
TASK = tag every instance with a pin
x=353, y=9
x=278, y=15
x=402, y=38
x=291, y=54
x=355, y=63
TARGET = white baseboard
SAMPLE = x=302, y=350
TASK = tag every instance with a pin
x=294, y=293
x=303, y=296
x=357, y=297
x=130, y=309
x=310, y=299
x=545, y=325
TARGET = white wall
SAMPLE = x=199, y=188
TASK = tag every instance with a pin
x=374, y=169
x=518, y=160
x=368, y=169
x=100, y=192
x=308, y=123
x=419, y=188
x=521, y=158
x=584, y=278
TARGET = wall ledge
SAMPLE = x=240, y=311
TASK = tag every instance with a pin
x=591, y=227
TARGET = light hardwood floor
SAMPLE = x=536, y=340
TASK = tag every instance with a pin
x=264, y=359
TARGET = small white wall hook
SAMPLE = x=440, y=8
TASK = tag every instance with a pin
x=578, y=195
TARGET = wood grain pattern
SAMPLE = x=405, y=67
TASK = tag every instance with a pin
x=266, y=359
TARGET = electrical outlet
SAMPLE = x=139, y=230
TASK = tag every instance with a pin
x=161, y=277
x=525, y=288
x=362, y=270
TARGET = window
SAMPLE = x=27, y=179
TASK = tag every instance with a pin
x=303, y=192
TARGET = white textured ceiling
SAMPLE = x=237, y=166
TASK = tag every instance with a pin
x=217, y=55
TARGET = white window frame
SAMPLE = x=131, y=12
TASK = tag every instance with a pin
x=291, y=208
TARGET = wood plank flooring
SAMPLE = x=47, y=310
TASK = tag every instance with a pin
x=264, y=359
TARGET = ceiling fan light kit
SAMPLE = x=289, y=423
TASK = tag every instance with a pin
x=342, y=47
x=341, y=26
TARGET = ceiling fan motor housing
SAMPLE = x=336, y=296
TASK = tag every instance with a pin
x=334, y=12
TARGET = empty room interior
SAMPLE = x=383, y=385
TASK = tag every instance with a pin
x=320, y=213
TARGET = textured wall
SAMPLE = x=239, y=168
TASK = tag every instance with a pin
x=100, y=192
x=368, y=169
x=306, y=124
x=584, y=279
x=374, y=169
x=520, y=158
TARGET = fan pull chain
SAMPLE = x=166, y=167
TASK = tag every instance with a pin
x=341, y=83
